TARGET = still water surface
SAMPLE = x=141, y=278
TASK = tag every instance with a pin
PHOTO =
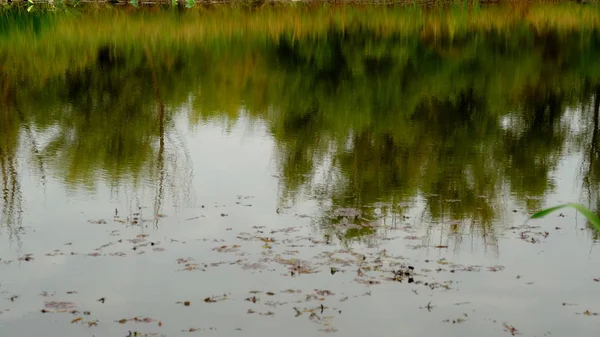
x=298, y=171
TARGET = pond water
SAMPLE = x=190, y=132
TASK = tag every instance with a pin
x=298, y=170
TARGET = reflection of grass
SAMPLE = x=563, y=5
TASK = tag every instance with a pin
x=390, y=134
x=353, y=233
x=586, y=212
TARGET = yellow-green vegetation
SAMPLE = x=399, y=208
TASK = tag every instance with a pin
x=72, y=40
x=459, y=105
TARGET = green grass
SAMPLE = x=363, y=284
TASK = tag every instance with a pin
x=587, y=213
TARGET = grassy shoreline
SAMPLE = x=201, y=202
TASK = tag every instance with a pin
x=305, y=2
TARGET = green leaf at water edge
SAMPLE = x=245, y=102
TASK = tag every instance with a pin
x=588, y=214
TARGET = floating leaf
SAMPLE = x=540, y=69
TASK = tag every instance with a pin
x=271, y=240
x=324, y=292
x=511, y=329
x=136, y=320
x=26, y=257
x=227, y=249
x=77, y=320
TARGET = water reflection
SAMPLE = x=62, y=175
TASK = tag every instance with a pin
x=443, y=111
x=11, y=187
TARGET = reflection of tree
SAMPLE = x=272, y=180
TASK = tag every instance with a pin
x=362, y=116
x=591, y=163
x=11, y=188
x=160, y=159
x=534, y=151
x=102, y=124
x=425, y=121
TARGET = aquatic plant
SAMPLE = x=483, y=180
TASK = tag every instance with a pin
x=586, y=212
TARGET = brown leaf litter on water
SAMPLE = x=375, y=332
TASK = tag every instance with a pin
x=106, y=245
x=144, y=334
x=213, y=299
x=198, y=329
x=252, y=299
x=187, y=263
x=371, y=269
x=533, y=236
x=367, y=281
x=286, y=230
x=136, y=320
x=457, y=320
x=510, y=329
x=268, y=313
x=275, y=303
x=324, y=292
x=26, y=257
x=296, y=266
x=227, y=249
x=329, y=329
